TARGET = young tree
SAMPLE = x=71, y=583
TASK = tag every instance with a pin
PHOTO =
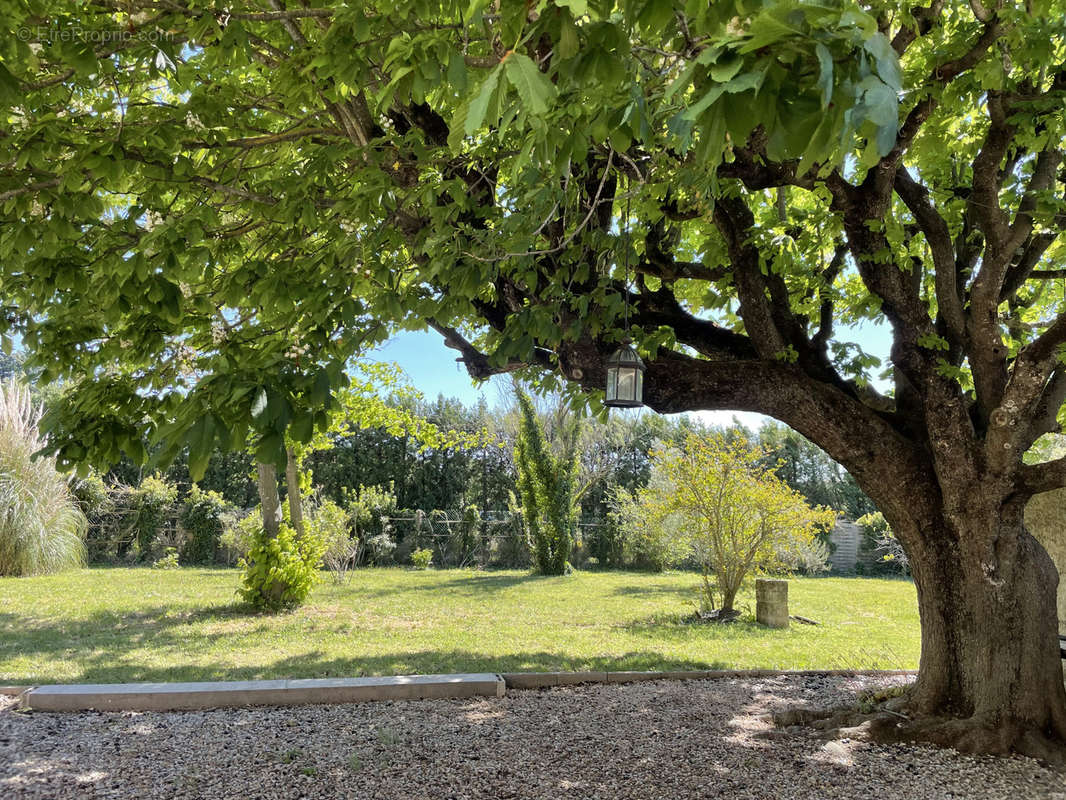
x=735, y=514
x=786, y=169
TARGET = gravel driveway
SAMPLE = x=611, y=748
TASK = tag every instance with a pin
x=662, y=739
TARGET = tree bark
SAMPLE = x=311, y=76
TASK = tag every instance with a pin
x=729, y=596
x=990, y=677
x=292, y=489
x=267, y=484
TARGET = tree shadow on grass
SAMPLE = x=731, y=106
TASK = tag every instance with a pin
x=317, y=664
x=117, y=656
x=641, y=590
x=680, y=626
x=476, y=583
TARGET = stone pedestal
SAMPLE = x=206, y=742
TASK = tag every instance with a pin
x=771, y=602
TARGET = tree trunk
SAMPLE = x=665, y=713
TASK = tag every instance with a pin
x=267, y=484
x=729, y=596
x=292, y=489
x=990, y=653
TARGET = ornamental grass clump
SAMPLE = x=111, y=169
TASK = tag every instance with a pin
x=42, y=529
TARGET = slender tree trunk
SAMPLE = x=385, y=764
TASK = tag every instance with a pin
x=990, y=653
x=292, y=489
x=729, y=596
x=267, y=484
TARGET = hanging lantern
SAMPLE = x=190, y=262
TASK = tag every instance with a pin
x=625, y=378
x=625, y=369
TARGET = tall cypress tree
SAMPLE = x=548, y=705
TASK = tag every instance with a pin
x=545, y=489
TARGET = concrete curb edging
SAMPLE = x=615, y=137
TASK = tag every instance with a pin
x=540, y=680
x=309, y=691
x=232, y=694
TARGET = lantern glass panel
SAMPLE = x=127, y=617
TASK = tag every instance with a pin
x=612, y=383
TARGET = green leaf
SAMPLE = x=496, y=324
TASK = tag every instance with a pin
x=302, y=428
x=457, y=71
x=767, y=30
x=825, y=73
x=532, y=85
x=727, y=70
x=741, y=83
x=457, y=125
x=693, y=112
x=820, y=141
x=10, y=88
x=259, y=405
x=657, y=15
x=577, y=7
x=201, y=437
x=475, y=113
x=568, y=44
x=887, y=60
x=683, y=80
x=880, y=104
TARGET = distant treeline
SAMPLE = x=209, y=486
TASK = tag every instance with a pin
x=612, y=454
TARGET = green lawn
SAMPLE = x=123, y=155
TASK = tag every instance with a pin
x=117, y=624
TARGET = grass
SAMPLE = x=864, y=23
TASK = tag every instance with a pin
x=121, y=624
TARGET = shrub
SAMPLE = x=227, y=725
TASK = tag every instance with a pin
x=367, y=506
x=238, y=534
x=330, y=523
x=92, y=495
x=734, y=515
x=422, y=558
x=380, y=548
x=168, y=561
x=201, y=517
x=639, y=540
x=280, y=572
x=809, y=557
x=151, y=503
x=604, y=543
x=465, y=538
x=369, y=509
x=42, y=528
x=508, y=545
x=878, y=539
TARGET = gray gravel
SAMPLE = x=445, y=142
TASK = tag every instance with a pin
x=662, y=739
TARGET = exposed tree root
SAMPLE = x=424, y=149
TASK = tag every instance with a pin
x=892, y=722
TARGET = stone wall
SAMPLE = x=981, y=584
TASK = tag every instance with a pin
x=1045, y=516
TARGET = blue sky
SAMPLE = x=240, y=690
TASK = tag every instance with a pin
x=433, y=369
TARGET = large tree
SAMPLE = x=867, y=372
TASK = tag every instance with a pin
x=185, y=181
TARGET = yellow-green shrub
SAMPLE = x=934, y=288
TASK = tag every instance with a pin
x=280, y=571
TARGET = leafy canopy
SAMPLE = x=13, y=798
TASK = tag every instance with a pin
x=210, y=209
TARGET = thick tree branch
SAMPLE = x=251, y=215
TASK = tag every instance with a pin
x=735, y=222
x=479, y=364
x=821, y=338
x=1046, y=477
x=1046, y=409
x=711, y=341
x=938, y=236
x=1025, y=267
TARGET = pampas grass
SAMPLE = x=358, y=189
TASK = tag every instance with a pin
x=41, y=527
